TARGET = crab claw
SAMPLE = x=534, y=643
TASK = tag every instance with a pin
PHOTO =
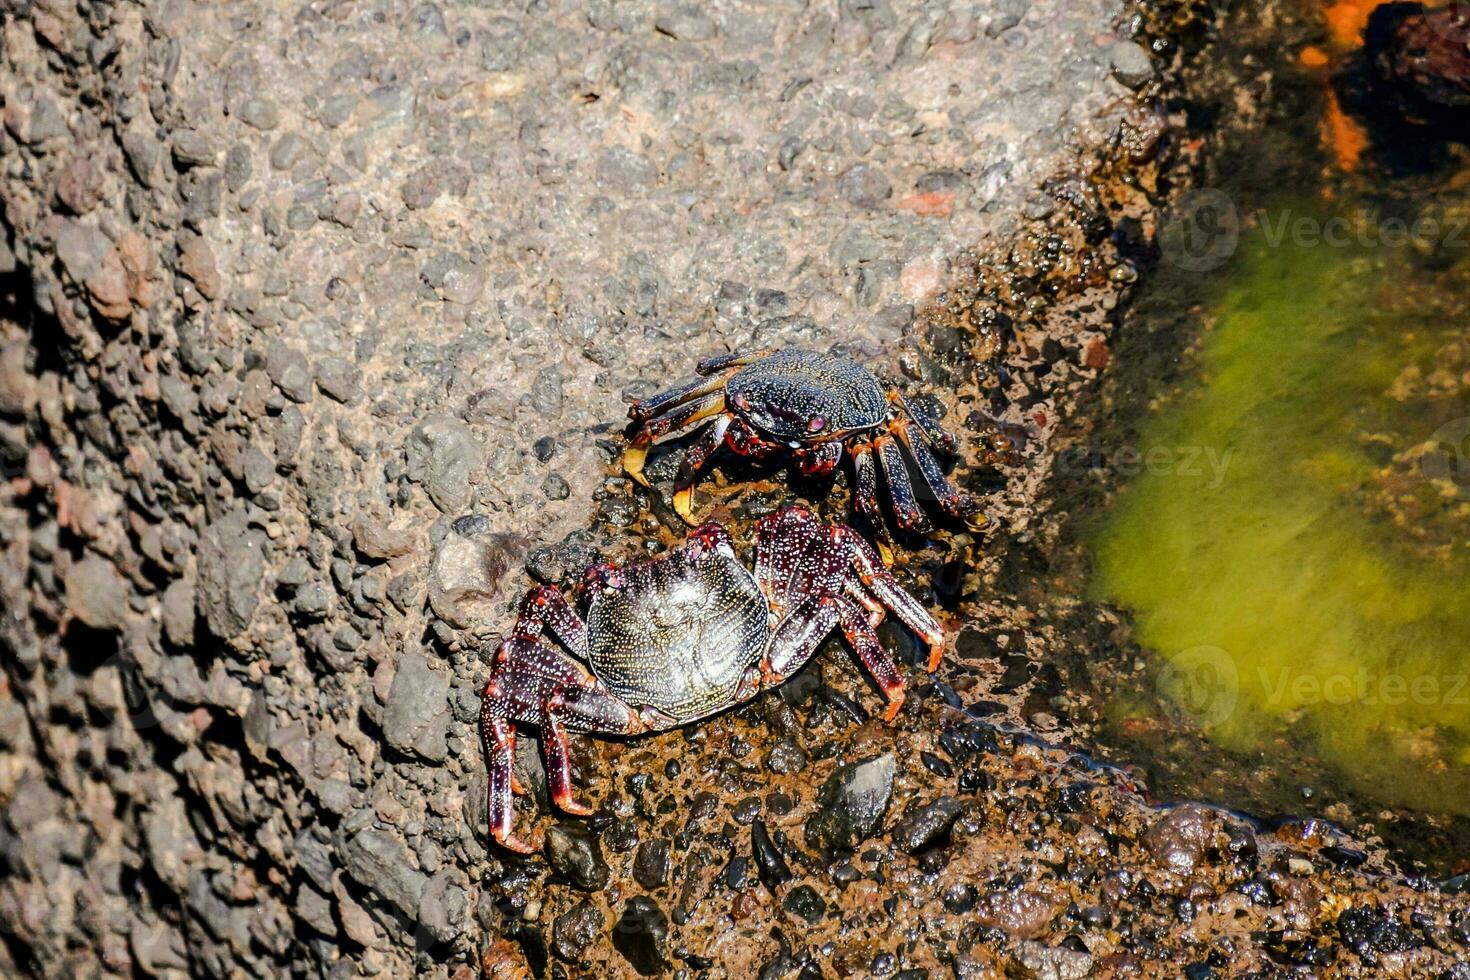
x=634, y=457
x=684, y=504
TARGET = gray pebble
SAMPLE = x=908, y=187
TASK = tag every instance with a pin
x=865, y=186
x=1131, y=64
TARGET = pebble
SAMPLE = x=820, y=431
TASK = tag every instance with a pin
x=1178, y=839
x=651, y=864
x=576, y=929
x=803, y=901
x=926, y=827
x=575, y=854
x=380, y=862
x=1131, y=64
x=641, y=935
x=864, y=186
x=851, y=804
x=769, y=863
x=786, y=756
x=416, y=716
x=1040, y=962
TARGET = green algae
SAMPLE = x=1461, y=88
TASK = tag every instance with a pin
x=1294, y=550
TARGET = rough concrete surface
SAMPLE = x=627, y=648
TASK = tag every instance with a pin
x=325, y=319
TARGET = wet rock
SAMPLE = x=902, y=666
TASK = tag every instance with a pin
x=467, y=571
x=1131, y=64
x=769, y=863
x=1021, y=914
x=803, y=901
x=927, y=826
x=575, y=854
x=651, y=864
x=444, y=456
x=641, y=935
x=787, y=756
x=380, y=862
x=576, y=929
x=1179, y=839
x=96, y=594
x=232, y=564
x=1037, y=961
x=851, y=804
x=1370, y=932
x=417, y=714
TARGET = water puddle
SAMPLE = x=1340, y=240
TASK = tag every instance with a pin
x=1287, y=532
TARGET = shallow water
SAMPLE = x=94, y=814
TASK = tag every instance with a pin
x=1294, y=547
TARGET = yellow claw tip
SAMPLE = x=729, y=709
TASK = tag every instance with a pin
x=684, y=505
x=633, y=459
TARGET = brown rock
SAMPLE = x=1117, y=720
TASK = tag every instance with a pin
x=1022, y=914
x=1179, y=839
x=196, y=260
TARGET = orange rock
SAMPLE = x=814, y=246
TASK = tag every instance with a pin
x=931, y=204
x=1313, y=57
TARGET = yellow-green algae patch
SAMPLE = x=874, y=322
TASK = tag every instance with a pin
x=1294, y=547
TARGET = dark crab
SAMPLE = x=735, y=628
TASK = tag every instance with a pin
x=683, y=636
x=817, y=407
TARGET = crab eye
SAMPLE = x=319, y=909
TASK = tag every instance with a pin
x=816, y=425
x=741, y=402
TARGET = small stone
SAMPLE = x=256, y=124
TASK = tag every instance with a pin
x=1131, y=64
x=787, y=756
x=196, y=261
x=339, y=379
x=96, y=594
x=444, y=456
x=864, y=186
x=442, y=908
x=804, y=901
x=926, y=827
x=1178, y=840
x=769, y=863
x=416, y=716
x=380, y=861
x=575, y=854
x=576, y=929
x=288, y=371
x=1021, y=914
x=260, y=113
x=177, y=612
x=641, y=935
x=851, y=804
x=651, y=864
x=555, y=487
x=1040, y=962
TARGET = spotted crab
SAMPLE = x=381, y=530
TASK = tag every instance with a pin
x=816, y=407
x=682, y=636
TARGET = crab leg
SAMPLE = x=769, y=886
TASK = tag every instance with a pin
x=865, y=495
x=878, y=661
x=536, y=684
x=936, y=434
x=881, y=583
x=545, y=606
x=900, y=488
x=499, y=739
x=647, y=408
x=954, y=502
x=797, y=637
x=653, y=430
x=732, y=360
x=694, y=459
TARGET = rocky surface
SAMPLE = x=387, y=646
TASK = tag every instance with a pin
x=322, y=319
